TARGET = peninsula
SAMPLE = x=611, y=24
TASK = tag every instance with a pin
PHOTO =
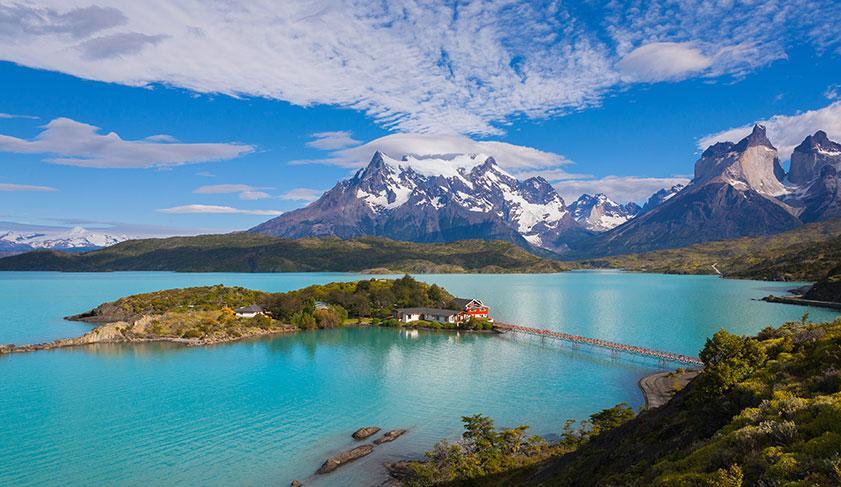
x=218, y=314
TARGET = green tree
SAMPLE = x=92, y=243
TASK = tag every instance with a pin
x=610, y=418
x=728, y=359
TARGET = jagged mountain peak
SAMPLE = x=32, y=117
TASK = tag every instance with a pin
x=432, y=198
x=750, y=164
x=757, y=138
x=815, y=152
x=599, y=213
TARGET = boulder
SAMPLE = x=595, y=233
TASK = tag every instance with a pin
x=337, y=461
x=365, y=432
x=389, y=436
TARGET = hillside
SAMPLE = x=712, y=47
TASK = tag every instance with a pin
x=764, y=411
x=806, y=253
x=242, y=252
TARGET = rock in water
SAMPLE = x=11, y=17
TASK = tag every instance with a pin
x=295, y=483
x=365, y=432
x=389, y=436
x=337, y=461
x=399, y=470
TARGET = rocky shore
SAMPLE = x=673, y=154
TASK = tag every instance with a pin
x=123, y=332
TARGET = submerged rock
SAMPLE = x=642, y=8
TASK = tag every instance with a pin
x=389, y=436
x=365, y=432
x=399, y=470
x=337, y=461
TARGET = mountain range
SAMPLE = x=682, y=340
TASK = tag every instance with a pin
x=75, y=239
x=738, y=189
x=435, y=199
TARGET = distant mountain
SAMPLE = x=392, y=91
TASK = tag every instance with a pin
x=599, y=213
x=248, y=252
x=76, y=238
x=434, y=199
x=734, y=193
x=660, y=196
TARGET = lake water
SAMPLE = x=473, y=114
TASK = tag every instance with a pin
x=268, y=411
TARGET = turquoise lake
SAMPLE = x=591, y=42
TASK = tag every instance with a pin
x=264, y=412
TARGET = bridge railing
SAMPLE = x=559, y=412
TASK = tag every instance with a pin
x=621, y=347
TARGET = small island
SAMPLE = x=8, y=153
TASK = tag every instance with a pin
x=211, y=315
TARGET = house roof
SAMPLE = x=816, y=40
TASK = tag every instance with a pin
x=462, y=302
x=430, y=311
x=254, y=308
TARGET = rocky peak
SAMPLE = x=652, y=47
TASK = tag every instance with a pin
x=808, y=158
x=750, y=164
x=757, y=138
x=599, y=213
x=660, y=196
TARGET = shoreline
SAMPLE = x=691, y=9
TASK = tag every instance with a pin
x=114, y=333
x=658, y=388
x=799, y=301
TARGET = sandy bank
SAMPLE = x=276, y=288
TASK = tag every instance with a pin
x=660, y=387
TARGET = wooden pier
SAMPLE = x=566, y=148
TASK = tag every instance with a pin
x=616, y=347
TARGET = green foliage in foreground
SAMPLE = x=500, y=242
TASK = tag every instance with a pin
x=245, y=252
x=764, y=411
x=806, y=253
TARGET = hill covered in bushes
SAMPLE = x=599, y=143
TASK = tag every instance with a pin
x=764, y=411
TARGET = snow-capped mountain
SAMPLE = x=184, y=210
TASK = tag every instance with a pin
x=599, y=213
x=660, y=196
x=434, y=199
x=75, y=238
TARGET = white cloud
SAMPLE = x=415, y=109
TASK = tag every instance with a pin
x=217, y=210
x=205, y=174
x=302, y=194
x=332, y=140
x=786, y=131
x=515, y=158
x=78, y=144
x=246, y=192
x=25, y=187
x=12, y=115
x=663, y=61
x=618, y=188
x=254, y=195
x=412, y=66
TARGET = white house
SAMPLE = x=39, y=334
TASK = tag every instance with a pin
x=250, y=311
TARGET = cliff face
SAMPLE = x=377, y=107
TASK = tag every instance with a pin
x=733, y=194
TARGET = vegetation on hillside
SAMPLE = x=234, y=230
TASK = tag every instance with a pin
x=246, y=252
x=764, y=411
x=806, y=253
x=207, y=312
x=828, y=288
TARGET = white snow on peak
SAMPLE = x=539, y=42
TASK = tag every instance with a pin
x=431, y=166
x=77, y=237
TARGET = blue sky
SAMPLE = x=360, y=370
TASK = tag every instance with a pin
x=225, y=118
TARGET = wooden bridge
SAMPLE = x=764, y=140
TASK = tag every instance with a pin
x=613, y=346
